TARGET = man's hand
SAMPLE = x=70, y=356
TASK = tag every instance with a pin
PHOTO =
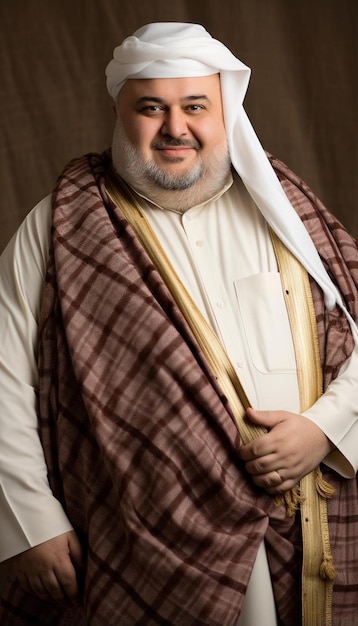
x=49, y=569
x=292, y=447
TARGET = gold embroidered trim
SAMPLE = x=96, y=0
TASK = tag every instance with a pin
x=317, y=570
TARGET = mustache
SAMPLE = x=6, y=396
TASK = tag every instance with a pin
x=171, y=142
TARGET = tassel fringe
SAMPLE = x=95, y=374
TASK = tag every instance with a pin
x=323, y=487
x=327, y=571
x=293, y=498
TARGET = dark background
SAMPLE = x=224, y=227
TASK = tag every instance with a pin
x=302, y=98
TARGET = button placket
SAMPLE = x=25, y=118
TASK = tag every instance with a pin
x=216, y=298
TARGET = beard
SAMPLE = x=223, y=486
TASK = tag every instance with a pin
x=173, y=190
x=163, y=178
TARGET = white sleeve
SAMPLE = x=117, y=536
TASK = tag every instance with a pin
x=336, y=413
x=29, y=512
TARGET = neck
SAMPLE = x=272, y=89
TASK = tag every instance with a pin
x=176, y=200
x=180, y=200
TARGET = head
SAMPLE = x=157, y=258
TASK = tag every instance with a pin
x=170, y=140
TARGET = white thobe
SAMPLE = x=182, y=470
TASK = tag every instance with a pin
x=222, y=252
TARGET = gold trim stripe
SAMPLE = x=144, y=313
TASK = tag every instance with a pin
x=317, y=568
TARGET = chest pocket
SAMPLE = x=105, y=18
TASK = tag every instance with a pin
x=265, y=323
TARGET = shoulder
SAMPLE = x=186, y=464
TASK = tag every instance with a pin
x=23, y=262
x=32, y=238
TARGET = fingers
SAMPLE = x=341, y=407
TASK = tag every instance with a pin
x=48, y=570
x=65, y=586
x=266, y=460
x=272, y=471
x=274, y=482
x=267, y=419
x=75, y=551
x=49, y=586
x=261, y=448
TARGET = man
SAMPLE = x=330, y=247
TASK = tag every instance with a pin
x=163, y=501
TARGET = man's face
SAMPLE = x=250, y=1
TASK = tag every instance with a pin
x=172, y=129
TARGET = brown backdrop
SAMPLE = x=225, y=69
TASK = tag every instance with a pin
x=54, y=106
x=302, y=99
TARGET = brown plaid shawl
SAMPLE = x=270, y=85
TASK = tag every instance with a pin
x=140, y=444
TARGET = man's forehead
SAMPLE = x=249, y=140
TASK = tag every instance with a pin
x=181, y=87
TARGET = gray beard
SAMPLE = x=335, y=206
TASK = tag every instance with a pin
x=172, y=191
x=168, y=181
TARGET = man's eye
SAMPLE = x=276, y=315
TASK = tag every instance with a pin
x=151, y=109
x=195, y=107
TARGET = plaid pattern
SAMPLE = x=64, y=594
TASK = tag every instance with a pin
x=139, y=441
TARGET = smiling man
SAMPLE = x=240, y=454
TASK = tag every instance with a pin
x=178, y=370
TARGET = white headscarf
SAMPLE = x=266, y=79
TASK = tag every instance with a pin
x=178, y=50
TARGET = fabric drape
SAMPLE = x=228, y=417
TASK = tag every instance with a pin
x=135, y=430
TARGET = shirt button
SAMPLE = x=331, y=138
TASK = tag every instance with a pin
x=240, y=364
x=220, y=304
x=199, y=243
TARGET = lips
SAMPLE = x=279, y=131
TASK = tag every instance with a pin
x=176, y=152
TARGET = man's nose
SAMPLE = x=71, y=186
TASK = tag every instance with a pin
x=175, y=124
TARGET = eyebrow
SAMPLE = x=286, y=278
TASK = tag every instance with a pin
x=162, y=101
